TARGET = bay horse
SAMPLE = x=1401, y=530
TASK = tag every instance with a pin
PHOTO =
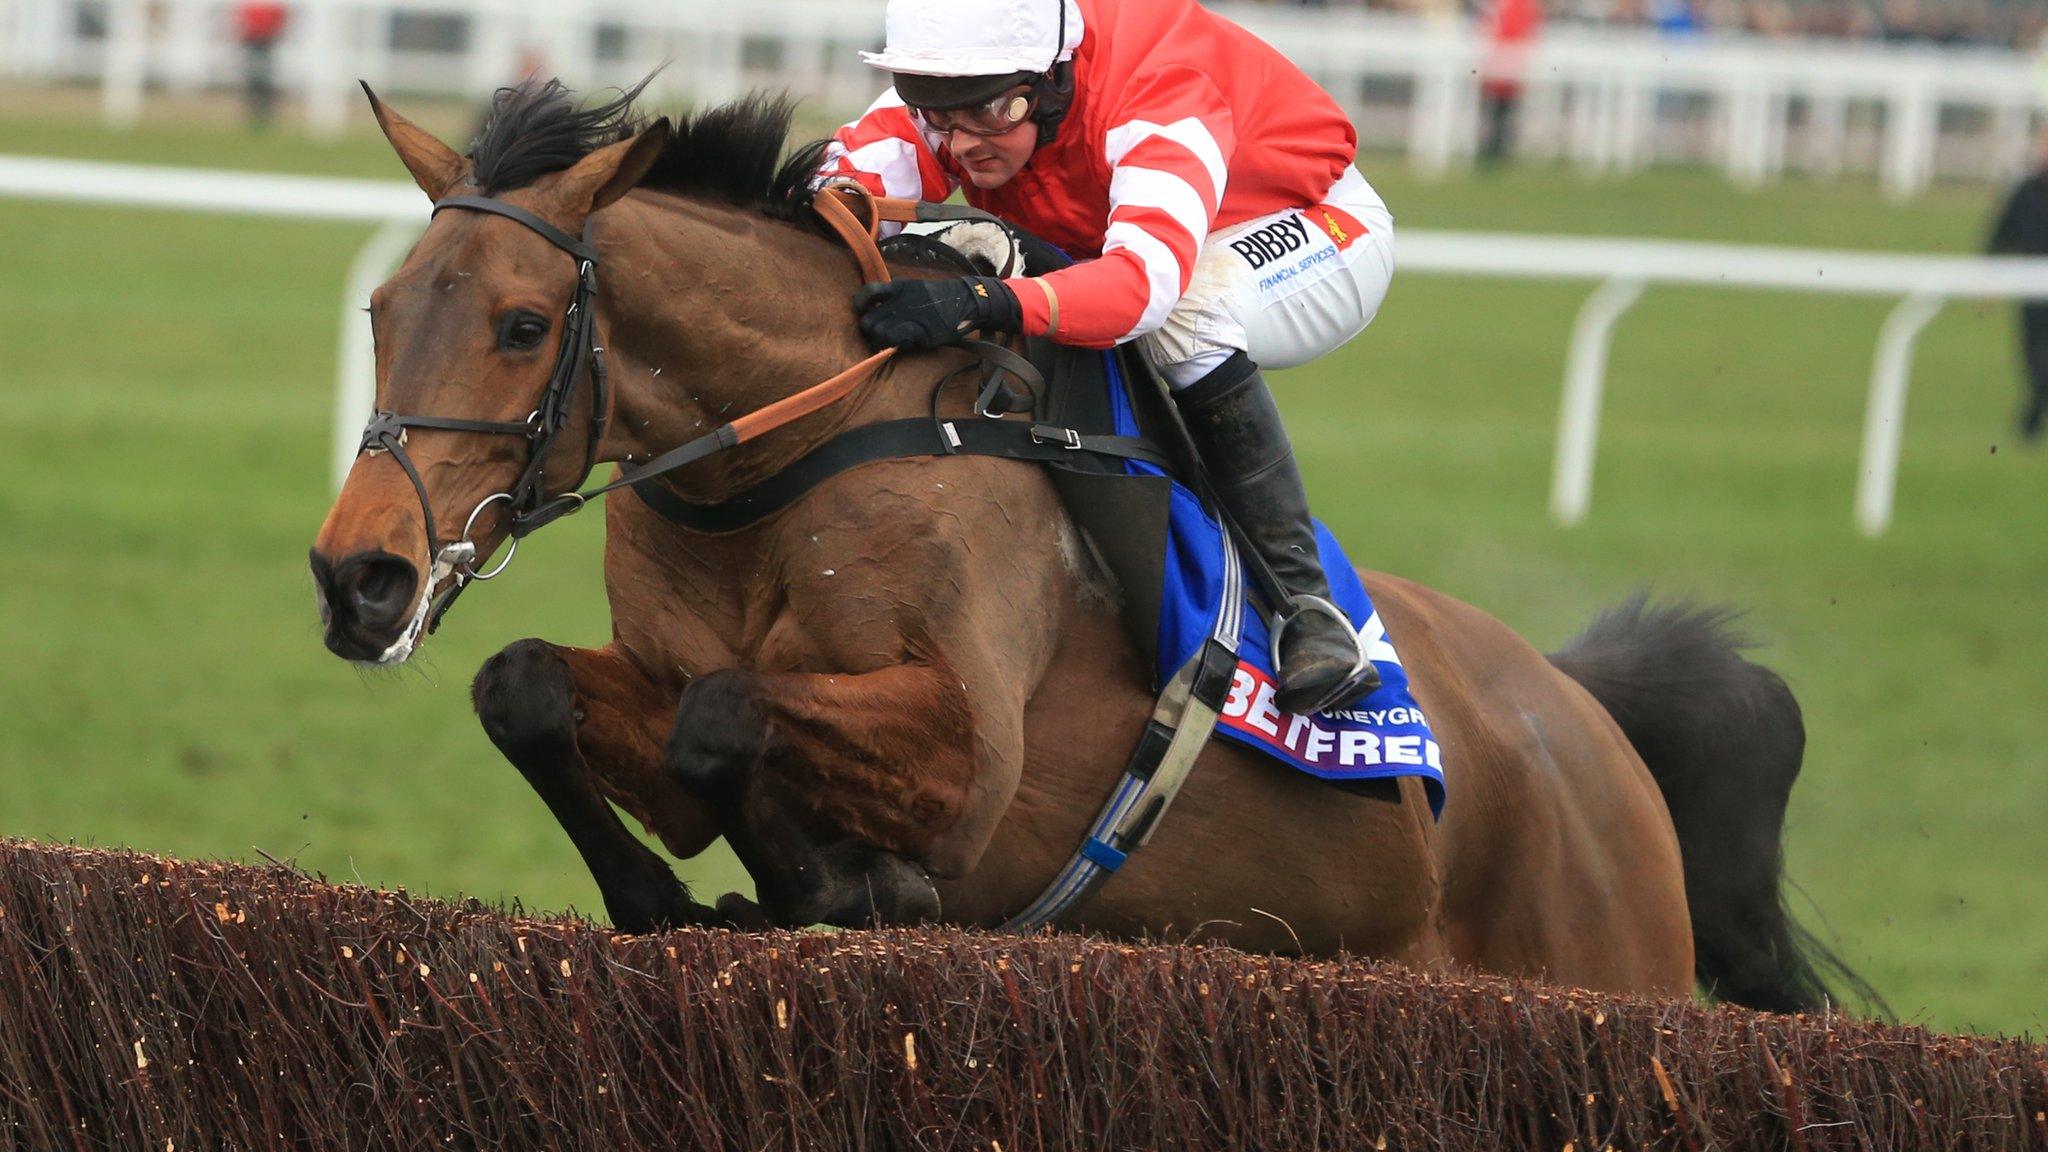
x=904, y=696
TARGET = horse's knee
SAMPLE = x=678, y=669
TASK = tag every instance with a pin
x=720, y=735
x=525, y=698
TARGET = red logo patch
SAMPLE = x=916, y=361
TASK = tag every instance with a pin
x=1341, y=226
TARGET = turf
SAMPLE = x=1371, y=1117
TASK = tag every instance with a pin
x=163, y=461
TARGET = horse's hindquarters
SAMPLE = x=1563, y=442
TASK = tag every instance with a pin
x=1558, y=855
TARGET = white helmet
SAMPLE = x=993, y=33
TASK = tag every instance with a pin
x=978, y=37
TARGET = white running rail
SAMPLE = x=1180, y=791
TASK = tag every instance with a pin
x=1608, y=99
x=1622, y=268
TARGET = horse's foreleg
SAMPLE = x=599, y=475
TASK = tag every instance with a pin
x=544, y=706
x=835, y=790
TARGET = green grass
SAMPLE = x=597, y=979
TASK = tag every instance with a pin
x=163, y=461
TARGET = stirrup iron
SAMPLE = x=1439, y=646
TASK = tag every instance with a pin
x=1362, y=672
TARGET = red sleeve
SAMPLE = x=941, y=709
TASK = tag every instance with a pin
x=1169, y=155
x=887, y=153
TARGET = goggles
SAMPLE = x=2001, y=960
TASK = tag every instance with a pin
x=991, y=117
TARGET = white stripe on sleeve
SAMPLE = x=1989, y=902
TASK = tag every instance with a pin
x=1189, y=133
x=1162, y=273
x=891, y=158
x=890, y=99
x=1151, y=188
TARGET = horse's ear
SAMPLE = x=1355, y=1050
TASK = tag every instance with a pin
x=435, y=167
x=612, y=171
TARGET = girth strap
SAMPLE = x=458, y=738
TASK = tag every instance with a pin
x=1183, y=718
x=893, y=439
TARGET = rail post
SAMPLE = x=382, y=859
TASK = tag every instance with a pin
x=1578, y=426
x=1884, y=420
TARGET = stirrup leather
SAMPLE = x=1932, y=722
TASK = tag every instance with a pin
x=1362, y=669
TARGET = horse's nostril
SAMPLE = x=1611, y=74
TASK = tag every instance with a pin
x=378, y=590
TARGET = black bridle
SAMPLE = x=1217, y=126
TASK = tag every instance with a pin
x=527, y=500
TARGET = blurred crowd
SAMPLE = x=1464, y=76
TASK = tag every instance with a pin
x=1995, y=23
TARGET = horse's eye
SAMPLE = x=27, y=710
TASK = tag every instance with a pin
x=520, y=331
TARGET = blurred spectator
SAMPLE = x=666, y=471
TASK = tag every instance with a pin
x=531, y=67
x=259, y=25
x=1901, y=21
x=2023, y=231
x=1769, y=18
x=1511, y=28
x=1629, y=13
x=1676, y=17
x=533, y=64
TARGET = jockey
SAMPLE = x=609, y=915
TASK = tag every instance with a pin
x=1209, y=185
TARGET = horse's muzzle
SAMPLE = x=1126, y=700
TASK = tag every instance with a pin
x=366, y=601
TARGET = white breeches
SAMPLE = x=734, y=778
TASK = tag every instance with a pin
x=1284, y=289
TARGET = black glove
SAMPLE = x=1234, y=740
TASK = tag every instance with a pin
x=921, y=314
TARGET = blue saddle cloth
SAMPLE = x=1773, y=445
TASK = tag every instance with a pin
x=1380, y=736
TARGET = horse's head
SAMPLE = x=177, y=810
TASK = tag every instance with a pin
x=470, y=330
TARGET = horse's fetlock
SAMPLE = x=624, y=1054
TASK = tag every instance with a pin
x=662, y=904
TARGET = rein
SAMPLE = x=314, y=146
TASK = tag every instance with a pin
x=833, y=204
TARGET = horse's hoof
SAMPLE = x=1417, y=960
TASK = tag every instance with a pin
x=647, y=918
x=740, y=914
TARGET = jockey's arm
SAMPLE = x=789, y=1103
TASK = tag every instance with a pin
x=886, y=153
x=1169, y=157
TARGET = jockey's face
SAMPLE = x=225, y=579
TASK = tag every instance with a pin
x=991, y=161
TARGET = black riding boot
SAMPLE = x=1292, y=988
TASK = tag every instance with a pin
x=1236, y=427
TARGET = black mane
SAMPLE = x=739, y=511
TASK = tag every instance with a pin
x=731, y=152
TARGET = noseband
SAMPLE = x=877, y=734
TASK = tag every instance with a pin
x=527, y=495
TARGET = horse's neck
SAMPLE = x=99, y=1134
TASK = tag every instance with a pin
x=714, y=312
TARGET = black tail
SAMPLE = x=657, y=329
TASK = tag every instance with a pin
x=1724, y=738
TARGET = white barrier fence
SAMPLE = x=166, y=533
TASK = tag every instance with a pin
x=1622, y=268
x=1610, y=99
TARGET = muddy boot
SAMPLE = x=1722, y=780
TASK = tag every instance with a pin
x=1236, y=427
